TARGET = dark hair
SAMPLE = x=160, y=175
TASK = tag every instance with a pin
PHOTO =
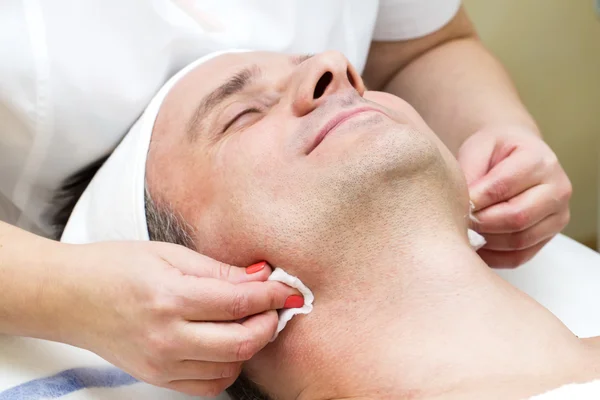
x=66, y=197
x=244, y=389
x=163, y=226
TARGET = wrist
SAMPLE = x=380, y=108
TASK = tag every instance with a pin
x=59, y=294
x=28, y=267
x=50, y=295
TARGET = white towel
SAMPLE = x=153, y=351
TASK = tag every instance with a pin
x=574, y=391
x=34, y=369
x=286, y=315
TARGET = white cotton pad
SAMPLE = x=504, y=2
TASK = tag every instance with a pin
x=477, y=241
x=286, y=315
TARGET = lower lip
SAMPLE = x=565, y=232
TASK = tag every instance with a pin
x=327, y=132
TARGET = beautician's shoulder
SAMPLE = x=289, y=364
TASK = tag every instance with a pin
x=411, y=19
x=407, y=29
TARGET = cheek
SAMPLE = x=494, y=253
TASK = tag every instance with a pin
x=246, y=175
x=256, y=160
x=244, y=163
x=402, y=112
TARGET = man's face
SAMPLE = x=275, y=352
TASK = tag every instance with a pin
x=264, y=152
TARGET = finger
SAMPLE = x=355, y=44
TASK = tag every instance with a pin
x=510, y=259
x=201, y=388
x=474, y=158
x=205, y=370
x=228, y=341
x=190, y=262
x=520, y=212
x=258, y=272
x=511, y=176
x=217, y=300
x=546, y=229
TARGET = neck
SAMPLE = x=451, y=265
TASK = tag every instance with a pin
x=423, y=318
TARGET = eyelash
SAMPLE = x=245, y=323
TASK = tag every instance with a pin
x=240, y=115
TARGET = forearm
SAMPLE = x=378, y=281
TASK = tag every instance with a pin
x=29, y=267
x=459, y=88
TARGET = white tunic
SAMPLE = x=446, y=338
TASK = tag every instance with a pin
x=75, y=74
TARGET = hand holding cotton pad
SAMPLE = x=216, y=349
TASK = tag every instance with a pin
x=475, y=239
x=286, y=315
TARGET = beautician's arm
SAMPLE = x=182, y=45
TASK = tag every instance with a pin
x=140, y=305
x=467, y=98
x=457, y=86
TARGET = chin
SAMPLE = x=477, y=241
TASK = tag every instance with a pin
x=401, y=151
x=402, y=165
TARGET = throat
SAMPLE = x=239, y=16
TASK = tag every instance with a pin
x=418, y=324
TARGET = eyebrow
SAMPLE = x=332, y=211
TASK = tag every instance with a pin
x=299, y=59
x=234, y=85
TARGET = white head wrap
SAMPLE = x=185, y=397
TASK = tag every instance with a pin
x=112, y=206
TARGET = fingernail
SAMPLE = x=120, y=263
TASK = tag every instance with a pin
x=294, y=301
x=254, y=268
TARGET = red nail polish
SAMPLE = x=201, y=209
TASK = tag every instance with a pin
x=294, y=301
x=254, y=268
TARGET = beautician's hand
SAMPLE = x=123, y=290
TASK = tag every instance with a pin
x=520, y=191
x=144, y=307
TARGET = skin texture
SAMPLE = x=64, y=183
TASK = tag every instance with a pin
x=468, y=99
x=373, y=220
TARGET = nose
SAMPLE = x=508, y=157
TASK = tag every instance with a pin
x=321, y=76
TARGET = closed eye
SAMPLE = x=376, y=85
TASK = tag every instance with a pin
x=240, y=115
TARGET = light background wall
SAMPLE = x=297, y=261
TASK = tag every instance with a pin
x=551, y=49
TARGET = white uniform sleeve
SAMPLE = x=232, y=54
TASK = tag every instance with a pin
x=410, y=19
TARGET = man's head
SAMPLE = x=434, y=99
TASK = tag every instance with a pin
x=267, y=156
x=263, y=156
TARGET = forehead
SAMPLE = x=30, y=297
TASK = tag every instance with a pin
x=229, y=63
x=213, y=73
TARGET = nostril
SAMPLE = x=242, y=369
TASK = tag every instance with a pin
x=350, y=78
x=322, y=84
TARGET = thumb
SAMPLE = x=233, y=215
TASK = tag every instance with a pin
x=190, y=262
x=474, y=157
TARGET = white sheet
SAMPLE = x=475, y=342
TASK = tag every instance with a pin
x=582, y=391
x=565, y=277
